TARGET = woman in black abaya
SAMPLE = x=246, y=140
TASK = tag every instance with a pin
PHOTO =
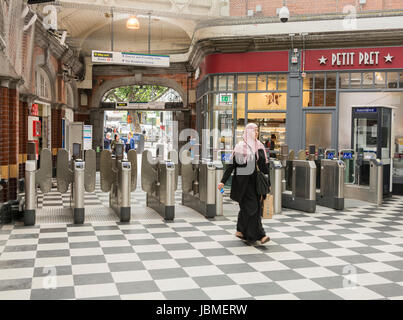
x=247, y=154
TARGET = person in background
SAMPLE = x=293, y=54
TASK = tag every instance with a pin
x=127, y=145
x=132, y=142
x=107, y=141
x=248, y=154
x=114, y=142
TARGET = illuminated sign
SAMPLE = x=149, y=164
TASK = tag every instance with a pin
x=130, y=58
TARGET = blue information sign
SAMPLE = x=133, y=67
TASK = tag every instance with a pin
x=347, y=155
x=365, y=110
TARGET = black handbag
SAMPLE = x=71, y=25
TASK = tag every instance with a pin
x=262, y=183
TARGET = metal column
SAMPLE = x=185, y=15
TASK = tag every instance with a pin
x=78, y=192
x=30, y=193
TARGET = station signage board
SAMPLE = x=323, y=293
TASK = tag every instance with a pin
x=354, y=58
x=130, y=58
x=159, y=105
x=372, y=110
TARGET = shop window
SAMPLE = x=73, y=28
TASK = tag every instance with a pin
x=307, y=98
x=268, y=124
x=319, y=98
x=241, y=83
x=267, y=101
x=344, y=80
x=331, y=80
x=282, y=82
x=231, y=83
x=380, y=79
x=308, y=82
x=251, y=82
x=240, y=105
x=401, y=80
x=355, y=80
x=214, y=84
x=319, y=81
x=331, y=98
x=318, y=130
x=262, y=82
x=368, y=80
x=222, y=83
x=272, y=82
x=392, y=79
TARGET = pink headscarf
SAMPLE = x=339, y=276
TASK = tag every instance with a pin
x=246, y=149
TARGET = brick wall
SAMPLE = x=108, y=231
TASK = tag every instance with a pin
x=13, y=134
x=4, y=125
x=82, y=118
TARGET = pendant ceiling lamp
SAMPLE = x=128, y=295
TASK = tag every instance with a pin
x=133, y=23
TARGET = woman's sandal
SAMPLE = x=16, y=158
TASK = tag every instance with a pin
x=265, y=239
x=239, y=235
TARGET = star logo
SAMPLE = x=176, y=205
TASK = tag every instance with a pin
x=388, y=58
x=322, y=60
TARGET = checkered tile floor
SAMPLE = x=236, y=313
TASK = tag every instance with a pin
x=354, y=254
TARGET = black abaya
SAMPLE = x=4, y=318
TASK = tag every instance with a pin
x=243, y=190
x=249, y=217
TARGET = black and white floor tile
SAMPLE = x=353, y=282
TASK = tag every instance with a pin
x=353, y=254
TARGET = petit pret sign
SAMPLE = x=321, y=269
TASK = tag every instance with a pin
x=357, y=58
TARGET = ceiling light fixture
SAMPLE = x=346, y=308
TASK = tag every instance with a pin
x=133, y=23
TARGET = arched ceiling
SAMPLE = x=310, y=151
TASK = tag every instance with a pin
x=173, y=22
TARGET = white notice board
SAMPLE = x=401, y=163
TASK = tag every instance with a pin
x=87, y=137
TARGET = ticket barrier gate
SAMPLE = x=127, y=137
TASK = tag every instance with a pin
x=300, y=186
x=119, y=178
x=199, y=186
x=331, y=188
x=34, y=178
x=78, y=173
x=367, y=182
x=159, y=179
x=329, y=178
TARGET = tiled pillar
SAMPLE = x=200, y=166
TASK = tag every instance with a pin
x=56, y=132
x=13, y=142
x=23, y=137
x=4, y=144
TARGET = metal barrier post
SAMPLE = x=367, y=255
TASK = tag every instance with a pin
x=211, y=187
x=125, y=188
x=276, y=184
x=219, y=171
x=30, y=193
x=376, y=179
x=78, y=192
x=170, y=191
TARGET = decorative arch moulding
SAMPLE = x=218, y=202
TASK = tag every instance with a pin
x=353, y=59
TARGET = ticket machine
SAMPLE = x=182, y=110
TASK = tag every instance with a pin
x=371, y=138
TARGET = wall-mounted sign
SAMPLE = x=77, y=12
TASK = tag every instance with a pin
x=87, y=137
x=141, y=105
x=224, y=99
x=34, y=109
x=359, y=58
x=365, y=109
x=129, y=58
